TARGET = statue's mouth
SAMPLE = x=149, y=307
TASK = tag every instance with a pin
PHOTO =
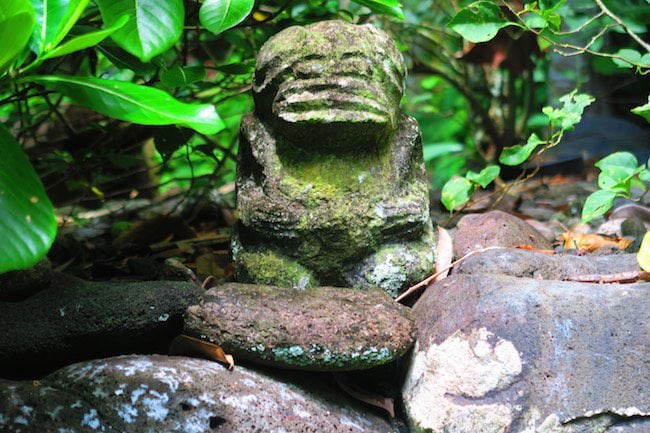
x=331, y=100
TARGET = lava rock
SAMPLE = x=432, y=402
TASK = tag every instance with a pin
x=495, y=229
x=138, y=394
x=531, y=264
x=75, y=320
x=19, y=285
x=319, y=329
x=502, y=354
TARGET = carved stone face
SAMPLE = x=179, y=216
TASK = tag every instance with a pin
x=332, y=79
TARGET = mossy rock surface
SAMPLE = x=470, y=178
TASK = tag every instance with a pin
x=319, y=329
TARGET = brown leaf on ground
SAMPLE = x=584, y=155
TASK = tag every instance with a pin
x=186, y=345
x=590, y=242
x=444, y=254
x=380, y=401
x=532, y=248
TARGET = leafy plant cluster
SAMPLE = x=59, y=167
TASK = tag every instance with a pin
x=481, y=21
x=174, y=73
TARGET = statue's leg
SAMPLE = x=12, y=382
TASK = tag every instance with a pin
x=263, y=264
x=396, y=266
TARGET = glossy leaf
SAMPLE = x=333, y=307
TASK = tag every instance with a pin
x=457, y=191
x=54, y=19
x=515, y=155
x=82, y=42
x=16, y=23
x=479, y=22
x=219, y=15
x=485, y=176
x=27, y=226
x=180, y=77
x=153, y=26
x=643, y=110
x=620, y=160
x=387, y=7
x=597, y=204
x=133, y=103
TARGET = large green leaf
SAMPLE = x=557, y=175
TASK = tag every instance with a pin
x=16, y=23
x=27, y=226
x=153, y=26
x=517, y=154
x=84, y=41
x=220, y=15
x=388, y=7
x=479, y=22
x=54, y=19
x=133, y=103
x=643, y=110
x=597, y=204
x=485, y=176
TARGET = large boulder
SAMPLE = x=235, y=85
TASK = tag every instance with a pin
x=73, y=320
x=318, y=329
x=148, y=394
x=495, y=229
x=498, y=354
x=331, y=188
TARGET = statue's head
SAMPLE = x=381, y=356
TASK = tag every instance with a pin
x=328, y=80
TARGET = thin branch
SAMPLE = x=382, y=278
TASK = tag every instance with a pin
x=633, y=35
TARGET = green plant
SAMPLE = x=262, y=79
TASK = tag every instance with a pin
x=620, y=172
x=153, y=70
x=481, y=21
x=458, y=191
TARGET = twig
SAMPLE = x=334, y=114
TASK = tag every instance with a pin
x=633, y=35
x=430, y=279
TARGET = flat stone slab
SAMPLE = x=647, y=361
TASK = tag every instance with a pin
x=530, y=264
x=74, y=320
x=136, y=394
x=320, y=329
x=502, y=354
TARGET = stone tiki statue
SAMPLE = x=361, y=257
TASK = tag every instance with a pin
x=331, y=186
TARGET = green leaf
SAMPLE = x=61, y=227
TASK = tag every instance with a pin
x=533, y=20
x=123, y=60
x=456, y=192
x=485, y=177
x=133, y=103
x=644, y=175
x=573, y=105
x=615, y=180
x=643, y=256
x=82, y=42
x=479, y=22
x=597, y=204
x=435, y=150
x=180, y=77
x=220, y=15
x=620, y=160
x=550, y=5
x=27, y=226
x=16, y=23
x=515, y=155
x=153, y=26
x=240, y=68
x=630, y=58
x=54, y=19
x=387, y=7
x=643, y=110
x=169, y=139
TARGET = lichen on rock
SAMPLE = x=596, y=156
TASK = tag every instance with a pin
x=331, y=176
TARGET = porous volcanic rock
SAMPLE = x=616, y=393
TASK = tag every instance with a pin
x=74, y=320
x=320, y=329
x=149, y=394
x=531, y=264
x=495, y=229
x=502, y=354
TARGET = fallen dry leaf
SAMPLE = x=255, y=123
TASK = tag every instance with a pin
x=444, y=254
x=590, y=242
x=186, y=345
x=532, y=248
x=380, y=401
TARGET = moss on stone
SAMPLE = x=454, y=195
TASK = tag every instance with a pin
x=271, y=268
